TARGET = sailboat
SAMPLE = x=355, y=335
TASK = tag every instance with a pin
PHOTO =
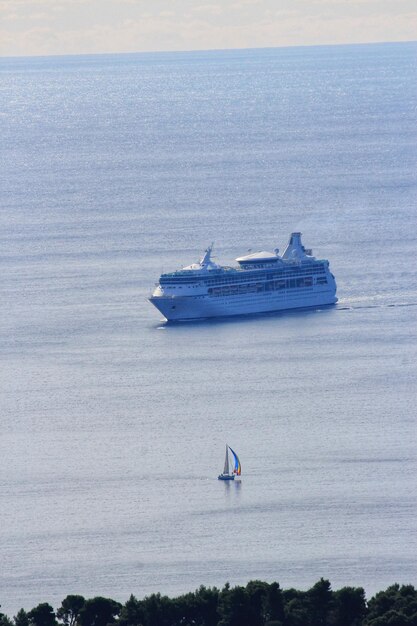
x=227, y=475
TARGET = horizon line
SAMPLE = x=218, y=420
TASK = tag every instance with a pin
x=206, y=50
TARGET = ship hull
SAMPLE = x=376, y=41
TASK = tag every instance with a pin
x=183, y=308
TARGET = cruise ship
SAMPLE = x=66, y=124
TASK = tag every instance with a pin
x=261, y=282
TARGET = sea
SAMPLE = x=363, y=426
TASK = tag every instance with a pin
x=113, y=423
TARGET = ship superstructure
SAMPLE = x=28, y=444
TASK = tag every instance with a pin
x=261, y=282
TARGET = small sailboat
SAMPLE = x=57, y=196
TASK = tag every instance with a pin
x=227, y=474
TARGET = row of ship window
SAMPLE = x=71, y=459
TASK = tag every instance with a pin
x=227, y=280
x=276, y=285
x=266, y=277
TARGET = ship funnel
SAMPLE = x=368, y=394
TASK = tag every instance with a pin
x=295, y=250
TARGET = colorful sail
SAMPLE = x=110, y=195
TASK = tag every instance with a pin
x=237, y=469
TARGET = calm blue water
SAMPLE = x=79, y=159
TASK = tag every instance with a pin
x=113, y=424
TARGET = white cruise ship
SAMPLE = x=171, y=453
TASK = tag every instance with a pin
x=262, y=282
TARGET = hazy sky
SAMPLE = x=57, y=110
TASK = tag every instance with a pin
x=33, y=27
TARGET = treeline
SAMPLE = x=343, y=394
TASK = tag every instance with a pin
x=257, y=604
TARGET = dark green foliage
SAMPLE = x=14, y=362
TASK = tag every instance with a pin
x=234, y=607
x=320, y=599
x=4, y=620
x=98, y=612
x=69, y=610
x=391, y=618
x=159, y=610
x=349, y=606
x=274, y=605
x=296, y=612
x=132, y=613
x=199, y=608
x=42, y=615
x=257, y=604
x=258, y=595
x=192, y=609
x=396, y=606
x=207, y=606
x=21, y=618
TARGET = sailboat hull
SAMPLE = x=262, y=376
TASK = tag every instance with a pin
x=225, y=477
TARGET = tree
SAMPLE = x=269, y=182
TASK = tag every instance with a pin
x=257, y=592
x=296, y=612
x=70, y=608
x=21, y=618
x=394, y=606
x=320, y=601
x=198, y=608
x=349, y=606
x=392, y=618
x=274, y=604
x=233, y=607
x=159, y=610
x=42, y=615
x=98, y=612
x=207, y=601
x=132, y=613
x=4, y=620
x=382, y=602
